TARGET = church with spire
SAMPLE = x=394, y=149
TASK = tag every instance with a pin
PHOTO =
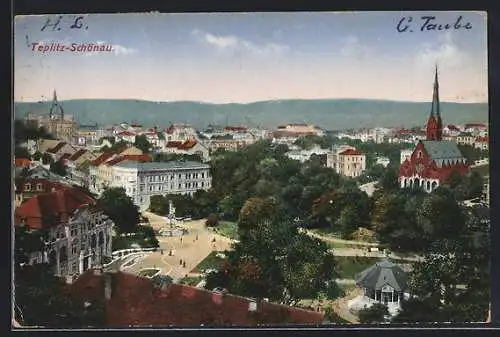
x=433, y=160
x=56, y=123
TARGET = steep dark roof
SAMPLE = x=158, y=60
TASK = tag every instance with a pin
x=382, y=273
x=56, y=148
x=443, y=151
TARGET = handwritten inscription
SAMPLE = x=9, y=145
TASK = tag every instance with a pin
x=71, y=22
x=430, y=23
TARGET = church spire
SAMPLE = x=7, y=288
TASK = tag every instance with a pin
x=435, y=124
x=55, y=105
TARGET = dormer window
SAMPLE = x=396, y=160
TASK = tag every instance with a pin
x=27, y=187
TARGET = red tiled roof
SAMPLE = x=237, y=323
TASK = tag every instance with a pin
x=77, y=154
x=131, y=157
x=40, y=211
x=475, y=125
x=102, y=158
x=126, y=133
x=350, y=152
x=482, y=139
x=174, y=143
x=22, y=162
x=137, y=301
x=56, y=148
x=188, y=144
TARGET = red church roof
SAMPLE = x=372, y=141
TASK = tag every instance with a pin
x=137, y=301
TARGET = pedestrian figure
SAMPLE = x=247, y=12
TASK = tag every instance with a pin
x=184, y=264
x=170, y=253
x=180, y=262
x=162, y=252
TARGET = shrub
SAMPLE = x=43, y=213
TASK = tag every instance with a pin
x=212, y=220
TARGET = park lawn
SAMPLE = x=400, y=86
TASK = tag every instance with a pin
x=483, y=170
x=228, y=229
x=148, y=272
x=210, y=262
x=346, y=288
x=348, y=267
x=191, y=280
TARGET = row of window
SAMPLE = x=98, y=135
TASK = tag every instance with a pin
x=27, y=187
x=159, y=178
x=165, y=187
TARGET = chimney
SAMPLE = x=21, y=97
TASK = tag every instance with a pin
x=107, y=286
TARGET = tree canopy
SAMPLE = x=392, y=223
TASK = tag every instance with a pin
x=120, y=208
x=274, y=260
x=452, y=283
x=59, y=168
x=141, y=142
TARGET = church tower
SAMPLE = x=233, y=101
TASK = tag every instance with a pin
x=53, y=108
x=435, y=123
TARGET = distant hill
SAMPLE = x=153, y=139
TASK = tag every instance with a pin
x=329, y=114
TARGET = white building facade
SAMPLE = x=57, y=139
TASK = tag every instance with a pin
x=141, y=181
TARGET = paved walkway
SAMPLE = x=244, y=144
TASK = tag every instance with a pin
x=360, y=252
x=191, y=248
x=337, y=240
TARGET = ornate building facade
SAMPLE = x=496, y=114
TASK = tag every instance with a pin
x=433, y=160
x=78, y=234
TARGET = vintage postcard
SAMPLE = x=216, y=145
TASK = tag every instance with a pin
x=250, y=169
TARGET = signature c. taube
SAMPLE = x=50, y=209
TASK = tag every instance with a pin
x=430, y=23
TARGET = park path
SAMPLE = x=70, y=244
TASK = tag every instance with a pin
x=337, y=240
x=360, y=252
x=191, y=248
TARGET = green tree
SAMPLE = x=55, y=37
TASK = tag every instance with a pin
x=47, y=159
x=388, y=181
x=120, y=208
x=37, y=156
x=274, y=260
x=142, y=143
x=59, y=168
x=452, y=282
x=41, y=299
x=348, y=221
x=21, y=152
x=377, y=313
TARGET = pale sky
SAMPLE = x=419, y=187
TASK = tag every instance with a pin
x=242, y=57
